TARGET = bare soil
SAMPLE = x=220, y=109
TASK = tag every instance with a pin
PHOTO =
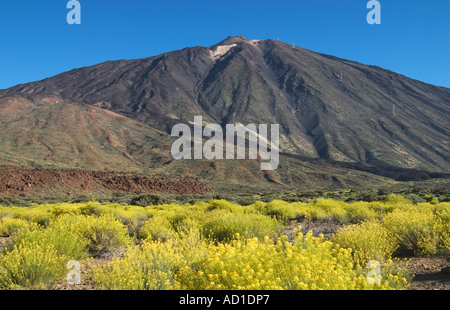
x=17, y=180
x=429, y=273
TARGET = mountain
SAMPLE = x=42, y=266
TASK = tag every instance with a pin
x=68, y=136
x=341, y=122
x=58, y=134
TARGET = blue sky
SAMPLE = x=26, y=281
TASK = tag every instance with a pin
x=36, y=42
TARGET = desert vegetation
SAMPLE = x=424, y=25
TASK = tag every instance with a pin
x=218, y=244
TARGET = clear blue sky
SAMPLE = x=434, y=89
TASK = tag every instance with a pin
x=36, y=42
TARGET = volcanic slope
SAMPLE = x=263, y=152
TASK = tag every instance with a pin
x=327, y=107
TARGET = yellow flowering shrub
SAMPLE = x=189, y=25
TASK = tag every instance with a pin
x=222, y=225
x=361, y=211
x=414, y=229
x=369, y=241
x=62, y=208
x=10, y=226
x=31, y=266
x=442, y=226
x=398, y=200
x=328, y=209
x=39, y=215
x=220, y=245
x=91, y=208
x=279, y=209
x=157, y=227
x=222, y=204
x=103, y=233
x=65, y=241
x=197, y=264
x=151, y=266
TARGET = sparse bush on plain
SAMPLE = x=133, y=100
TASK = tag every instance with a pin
x=419, y=228
x=157, y=228
x=223, y=226
x=31, y=266
x=369, y=241
x=217, y=244
x=11, y=226
x=103, y=233
x=65, y=241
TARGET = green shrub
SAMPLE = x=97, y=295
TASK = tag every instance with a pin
x=414, y=229
x=149, y=200
x=103, y=233
x=65, y=241
x=223, y=226
x=31, y=266
x=221, y=204
x=415, y=198
x=14, y=201
x=157, y=228
x=11, y=226
x=368, y=241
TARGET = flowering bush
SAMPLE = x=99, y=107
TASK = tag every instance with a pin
x=369, y=241
x=10, y=226
x=157, y=227
x=308, y=263
x=31, y=266
x=223, y=225
x=220, y=245
x=415, y=228
x=103, y=233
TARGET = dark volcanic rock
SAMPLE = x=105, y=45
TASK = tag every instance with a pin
x=327, y=107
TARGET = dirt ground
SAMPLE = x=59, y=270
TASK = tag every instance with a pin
x=17, y=180
x=429, y=273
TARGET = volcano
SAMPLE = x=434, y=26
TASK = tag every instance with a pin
x=336, y=116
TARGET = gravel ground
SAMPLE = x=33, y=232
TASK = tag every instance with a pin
x=430, y=273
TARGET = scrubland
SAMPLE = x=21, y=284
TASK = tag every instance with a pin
x=218, y=245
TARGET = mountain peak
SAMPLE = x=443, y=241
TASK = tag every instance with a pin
x=233, y=40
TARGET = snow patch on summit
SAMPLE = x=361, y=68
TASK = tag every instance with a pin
x=221, y=50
